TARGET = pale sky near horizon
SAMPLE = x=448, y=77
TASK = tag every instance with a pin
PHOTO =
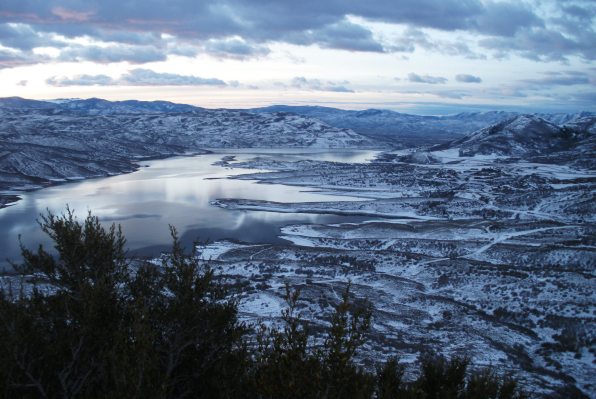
x=419, y=56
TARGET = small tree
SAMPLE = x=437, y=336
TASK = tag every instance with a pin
x=103, y=328
x=286, y=365
x=349, y=325
x=389, y=380
x=290, y=365
x=192, y=323
x=441, y=378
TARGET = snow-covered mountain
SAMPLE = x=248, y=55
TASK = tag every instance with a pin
x=98, y=106
x=19, y=103
x=585, y=123
x=518, y=136
x=46, y=141
x=527, y=135
x=470, y=253
x=407, y=130
x=42, y=142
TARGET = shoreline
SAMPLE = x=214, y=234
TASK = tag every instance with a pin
x=9, y=196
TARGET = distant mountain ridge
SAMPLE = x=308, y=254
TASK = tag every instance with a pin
x=385, y=127
x=521, y=136
x=527, y=137
x=98, y=106
x=413, y=130
x=42, y=142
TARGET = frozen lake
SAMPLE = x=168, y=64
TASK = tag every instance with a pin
x=174, y=191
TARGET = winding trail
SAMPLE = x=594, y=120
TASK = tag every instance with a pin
x=505, y=236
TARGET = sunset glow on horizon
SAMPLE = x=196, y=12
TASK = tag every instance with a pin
x=429, y=57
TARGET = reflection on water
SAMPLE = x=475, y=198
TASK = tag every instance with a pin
x=174, y=191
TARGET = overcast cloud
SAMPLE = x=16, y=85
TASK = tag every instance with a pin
x=465, y=78
x=300, y=82
x=135, y=77
x=433, y=80
x=510, y=26
x=424, y=41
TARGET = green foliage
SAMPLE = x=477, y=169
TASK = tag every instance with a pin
x=489, y=385
x=285, y=367
x=389, y=380
x=349, y=324
x=102, y=327
x=441, y=378
x=289, y=365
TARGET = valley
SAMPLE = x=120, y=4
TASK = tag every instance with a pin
x=475, y=256
x=477, y=243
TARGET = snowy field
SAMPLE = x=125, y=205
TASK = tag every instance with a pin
x=476, y=256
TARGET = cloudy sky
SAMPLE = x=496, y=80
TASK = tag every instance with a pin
x=421, y=56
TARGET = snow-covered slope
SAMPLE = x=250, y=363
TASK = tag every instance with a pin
x=19, y=103
x=97, y=106
x=585, y=123
x=413, y=130
x=524, y=135
x=45, y=141
x=41, y=142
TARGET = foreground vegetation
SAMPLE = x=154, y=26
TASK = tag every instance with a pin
x=97, y=326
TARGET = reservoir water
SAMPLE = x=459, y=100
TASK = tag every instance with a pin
x=174, y=191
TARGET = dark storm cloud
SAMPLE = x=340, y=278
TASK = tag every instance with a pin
x=465, y=78
x=76, y=29
x=136, y=38
x=267, y=18
x=570, y=30
x=415, y=78
x=135, y=77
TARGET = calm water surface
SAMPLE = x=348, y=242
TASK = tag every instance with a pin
x=174, y=191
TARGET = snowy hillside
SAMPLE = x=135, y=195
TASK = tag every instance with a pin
x=98, y=106
x=405, y=130
x=42, y=142
x=482, y=246
x=526, y=135
x=492, y=256
x=47, y=141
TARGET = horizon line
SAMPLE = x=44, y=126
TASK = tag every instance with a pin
x=455, y=109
